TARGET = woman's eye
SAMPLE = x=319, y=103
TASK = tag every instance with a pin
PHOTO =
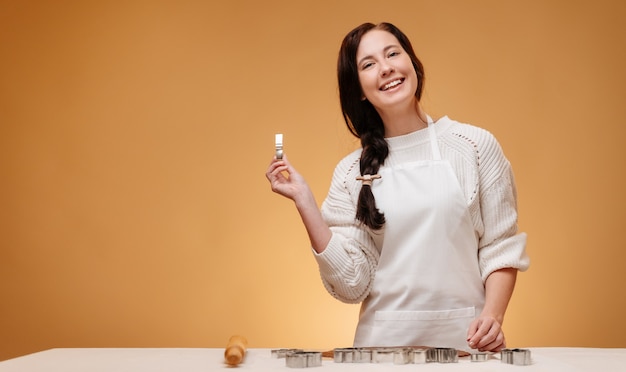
x=393, y=54
x=367, y=65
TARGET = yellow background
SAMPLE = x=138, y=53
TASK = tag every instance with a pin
x=134, y=137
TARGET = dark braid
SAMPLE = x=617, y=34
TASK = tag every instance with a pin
x=361, y=117
x=375, y=151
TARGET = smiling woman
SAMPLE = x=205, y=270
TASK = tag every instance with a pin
x=133, y=135
x=389, y=81
x=428, y=241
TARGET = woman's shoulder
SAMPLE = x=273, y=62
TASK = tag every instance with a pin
x=460, y=129
x=349, y=164
x=468, y=135
x=345, y=173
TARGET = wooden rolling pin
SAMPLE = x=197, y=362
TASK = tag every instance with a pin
x=235, y=350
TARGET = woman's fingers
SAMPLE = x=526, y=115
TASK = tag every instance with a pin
x=485, y=334
x=284, y=179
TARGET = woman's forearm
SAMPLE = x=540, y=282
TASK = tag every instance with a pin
x=498, y=291
x=316, y=227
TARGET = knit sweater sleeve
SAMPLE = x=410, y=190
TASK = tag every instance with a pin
x=348, y=264
x=500, y=244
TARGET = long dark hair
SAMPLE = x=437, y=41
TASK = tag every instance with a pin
x=361, y=117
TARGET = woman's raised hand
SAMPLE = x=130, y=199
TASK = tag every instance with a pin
x=285, y=180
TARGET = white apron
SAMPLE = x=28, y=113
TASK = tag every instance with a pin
x=428, y=287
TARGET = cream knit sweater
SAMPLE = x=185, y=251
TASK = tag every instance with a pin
x=348, y=264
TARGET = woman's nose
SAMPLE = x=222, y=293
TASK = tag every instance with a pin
x=386, y=69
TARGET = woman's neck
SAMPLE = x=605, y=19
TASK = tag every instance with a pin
x=403, y=121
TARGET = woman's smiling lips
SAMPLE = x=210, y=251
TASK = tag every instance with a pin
x=392, y=84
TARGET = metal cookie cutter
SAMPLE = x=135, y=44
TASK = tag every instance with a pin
x=409, y=356
x=343, y=355
x=279, y=146
x=402, y=356
x=518, y=357
x=282, y=353
x=384, y=354
x=480, y=357
x=397, y=355
x=303, y=359
x=352, y=355
x=442, y=355
x=419, y=356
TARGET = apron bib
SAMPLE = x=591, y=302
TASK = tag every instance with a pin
x=428, y=287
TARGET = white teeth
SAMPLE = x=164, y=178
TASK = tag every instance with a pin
x=392, y=84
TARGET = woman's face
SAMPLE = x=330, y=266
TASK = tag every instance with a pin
x=386, y=73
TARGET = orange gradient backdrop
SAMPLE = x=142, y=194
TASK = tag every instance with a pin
x=134, y=137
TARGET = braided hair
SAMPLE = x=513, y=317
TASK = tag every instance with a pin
x=361, y=117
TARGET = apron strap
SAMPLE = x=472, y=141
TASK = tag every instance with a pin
x=433, y=139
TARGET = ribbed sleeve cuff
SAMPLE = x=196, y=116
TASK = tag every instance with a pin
x=345, y=269
x=331, y=258
x=509, y=253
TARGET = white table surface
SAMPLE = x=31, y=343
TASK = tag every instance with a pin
x=192, y=360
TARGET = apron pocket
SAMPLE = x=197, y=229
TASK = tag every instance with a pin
x=440, y=328
x=465, y=312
